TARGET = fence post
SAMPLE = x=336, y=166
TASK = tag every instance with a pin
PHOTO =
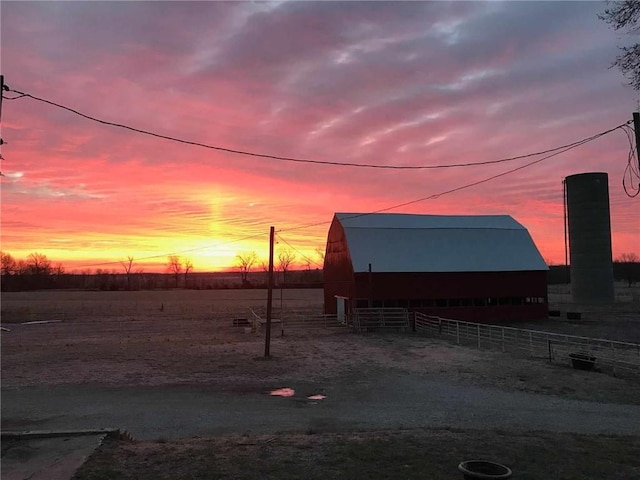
x=530, y=344
x=549, y=346
x=458, y=332
x=613, y=351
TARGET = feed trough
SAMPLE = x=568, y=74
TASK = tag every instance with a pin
x=482, y=469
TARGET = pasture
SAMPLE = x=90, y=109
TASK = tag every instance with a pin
x=92, y=352
x=188, y=337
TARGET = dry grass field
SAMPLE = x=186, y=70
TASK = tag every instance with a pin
x=151, y=338
x=149, y=304
x=188, y=337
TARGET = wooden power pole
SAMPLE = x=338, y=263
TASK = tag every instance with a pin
x=636, y=127
x=267, y=337
x=1, y=92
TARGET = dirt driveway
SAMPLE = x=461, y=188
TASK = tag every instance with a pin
x=158, y=385
x=193, y=373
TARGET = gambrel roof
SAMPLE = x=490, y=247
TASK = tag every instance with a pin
x=438, y=243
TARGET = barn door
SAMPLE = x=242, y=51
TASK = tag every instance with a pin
x=341, y=310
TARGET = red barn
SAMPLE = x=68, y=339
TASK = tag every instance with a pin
x=476, y=268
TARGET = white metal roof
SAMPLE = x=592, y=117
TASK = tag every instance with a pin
x=439, y=243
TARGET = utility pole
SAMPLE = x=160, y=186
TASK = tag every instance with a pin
x=370, y=287
x=267, y=338
x=2, y=92
x=636, y=127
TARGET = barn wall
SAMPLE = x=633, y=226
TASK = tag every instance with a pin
x=338, y=271
x=473, y=296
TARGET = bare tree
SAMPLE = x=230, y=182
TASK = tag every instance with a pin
x=244, y=262
x=285, y=258
x=188, y=266
x=174, y=265
x=320, y=252
x=21, y=267
x=624, y=15
x=128, y=267
x=629, y=266
x=8, y=263
x=264, y=265
x=38, y=264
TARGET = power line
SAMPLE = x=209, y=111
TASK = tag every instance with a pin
x=631, y=170
x=468, y=185
x=309, y=259
x=288, y=159
x=552, y=153
x=151, y=257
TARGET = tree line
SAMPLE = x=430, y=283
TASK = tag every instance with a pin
x=283, y=264
x=37, y=272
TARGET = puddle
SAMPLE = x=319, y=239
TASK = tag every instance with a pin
x=290, y=392
x=283, y=392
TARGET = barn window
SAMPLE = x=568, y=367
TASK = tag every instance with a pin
x=534, y=300
x=492, y=302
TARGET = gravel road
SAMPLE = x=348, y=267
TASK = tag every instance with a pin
x=389, y=400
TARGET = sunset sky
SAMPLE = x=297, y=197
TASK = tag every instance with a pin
x=394, y=83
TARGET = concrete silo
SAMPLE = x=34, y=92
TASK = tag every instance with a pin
x=590, y=238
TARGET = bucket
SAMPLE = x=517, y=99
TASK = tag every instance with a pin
x=482, y=469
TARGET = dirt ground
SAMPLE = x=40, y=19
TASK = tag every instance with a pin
x=185, y=337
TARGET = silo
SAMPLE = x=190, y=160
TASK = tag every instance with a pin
x=589, y=238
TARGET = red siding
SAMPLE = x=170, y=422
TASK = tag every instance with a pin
x=462, y=285
x=452, y=284
x=339, y=279
x=338, y=270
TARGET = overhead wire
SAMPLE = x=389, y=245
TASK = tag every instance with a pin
x=151, y=257
x=468, y=185
x=631, y=169
x=288, y=159
x=309, y=259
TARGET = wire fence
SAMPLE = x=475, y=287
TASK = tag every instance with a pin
x=581, y=352
x=312, y=323
x=378, y=319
